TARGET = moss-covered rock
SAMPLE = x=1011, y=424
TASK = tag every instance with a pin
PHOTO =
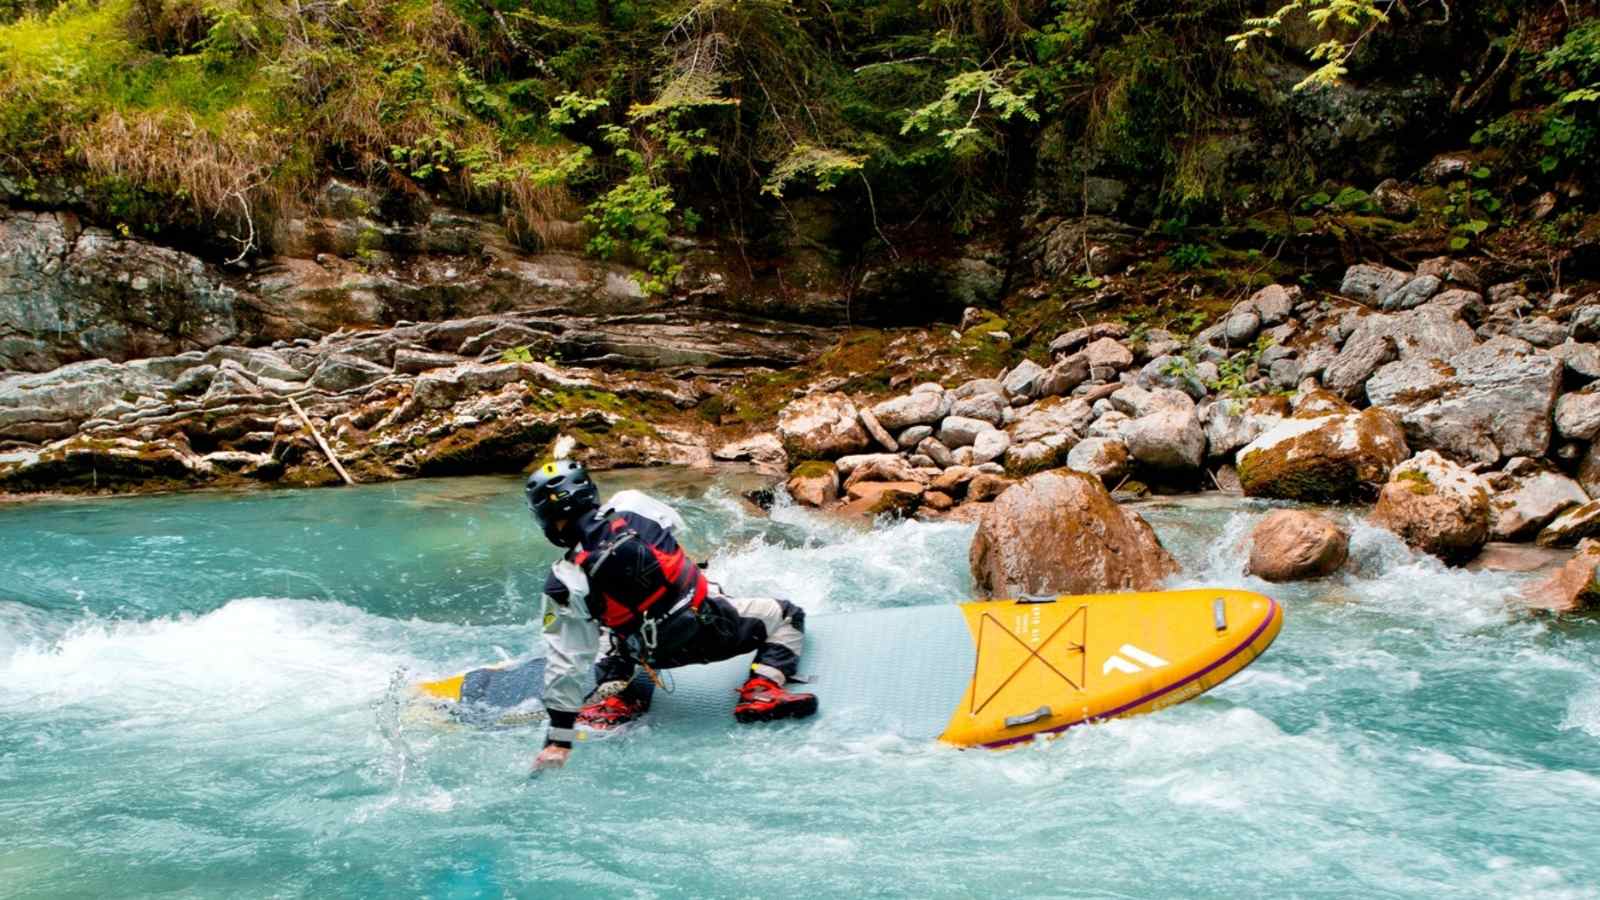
x=1328, y=459
x=1436, y=506
x=814, y=483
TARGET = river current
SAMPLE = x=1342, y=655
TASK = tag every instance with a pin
x=204, y=695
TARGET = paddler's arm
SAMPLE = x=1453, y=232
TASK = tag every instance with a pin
x=571, y=641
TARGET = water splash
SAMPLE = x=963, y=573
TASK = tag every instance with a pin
x=1408, y=735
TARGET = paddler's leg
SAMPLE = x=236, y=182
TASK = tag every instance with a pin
x=781, y=629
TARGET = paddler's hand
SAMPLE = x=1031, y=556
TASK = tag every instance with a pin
x=551, y=757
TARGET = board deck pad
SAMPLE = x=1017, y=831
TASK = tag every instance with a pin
x=986, y=673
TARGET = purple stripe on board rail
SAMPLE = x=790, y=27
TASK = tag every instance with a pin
x=1271, y=614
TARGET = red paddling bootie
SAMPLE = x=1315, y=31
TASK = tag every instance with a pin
x=612, y=712
x=762, y=700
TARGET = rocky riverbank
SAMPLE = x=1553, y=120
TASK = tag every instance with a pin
x=1461, y=408
x=1460, y=405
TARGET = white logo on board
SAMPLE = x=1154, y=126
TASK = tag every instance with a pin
x=1132, y=660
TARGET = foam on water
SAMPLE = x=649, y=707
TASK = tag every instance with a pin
x=1407, y=735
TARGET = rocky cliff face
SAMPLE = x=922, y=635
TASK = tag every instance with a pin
x=72, y=291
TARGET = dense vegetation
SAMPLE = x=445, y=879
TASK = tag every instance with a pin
x=643, y=119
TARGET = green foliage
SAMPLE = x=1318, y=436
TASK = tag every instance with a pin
x=572, y=107
x=1564, y=135
x=825, y=168
x=205, y=114
x=1349, y=21
x=1469, y=209
x=428, y=156
x=1349, y=199
x=970, y=102
x=520, y=354
x=1186, y=257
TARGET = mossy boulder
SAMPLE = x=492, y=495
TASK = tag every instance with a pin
x=1327, y=459
x=1436, y=506
x=814, y=483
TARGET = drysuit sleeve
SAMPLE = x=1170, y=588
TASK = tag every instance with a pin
x=571, y=641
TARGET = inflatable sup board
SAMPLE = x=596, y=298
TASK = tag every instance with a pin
x=981, y=674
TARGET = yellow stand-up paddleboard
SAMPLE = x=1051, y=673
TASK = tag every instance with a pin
x=981, y=674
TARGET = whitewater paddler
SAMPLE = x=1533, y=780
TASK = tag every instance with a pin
x=626, y=592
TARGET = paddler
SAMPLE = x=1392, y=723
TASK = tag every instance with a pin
x=625, y=583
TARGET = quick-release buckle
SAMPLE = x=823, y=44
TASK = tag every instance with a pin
x=647, y=633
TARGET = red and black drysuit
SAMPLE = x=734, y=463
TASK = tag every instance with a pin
x=627, y=583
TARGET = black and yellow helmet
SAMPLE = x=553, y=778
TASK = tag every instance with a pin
x=561, y=491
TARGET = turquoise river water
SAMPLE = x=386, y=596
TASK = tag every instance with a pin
x=204, y=696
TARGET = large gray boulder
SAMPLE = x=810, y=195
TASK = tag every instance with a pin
x=1526, y=498
x=1107, y=355
x=990, y=408
x=935, y=450
x=847, y=464
x=1577, y=416
x=909, y=438
x=916, y=408
x=1584, y=325
x=1427, y=332
x=975, y=387
x=1106, y=458
x=1572, y=526
x=1413, y=293
x=1046, y=452
x=960, y=431
x=1372, y=284
x=255, y=360
x=989, y=446
x=1274, y=304
x=876, y=431
x=1540, y=331
x=1582, y=360
x=1174, y=372
x=1169, y=440
x=1135, y=401
x=1064, y=376
x=763, y=449
x=1023, y=379
x=441, y=388
x=1053, y=416
x=1361, y=356
x=1231, y=424
x=1481, y=406
x=822, y=426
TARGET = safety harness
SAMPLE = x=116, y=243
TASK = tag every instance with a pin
x=620, y=565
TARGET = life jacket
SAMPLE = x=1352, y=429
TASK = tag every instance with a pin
x=638, y=575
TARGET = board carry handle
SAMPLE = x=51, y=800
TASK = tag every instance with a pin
x=1219, y=613
x=1042, y=712
x=1030, y=598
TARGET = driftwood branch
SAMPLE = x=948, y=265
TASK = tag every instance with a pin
x=317, y=436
